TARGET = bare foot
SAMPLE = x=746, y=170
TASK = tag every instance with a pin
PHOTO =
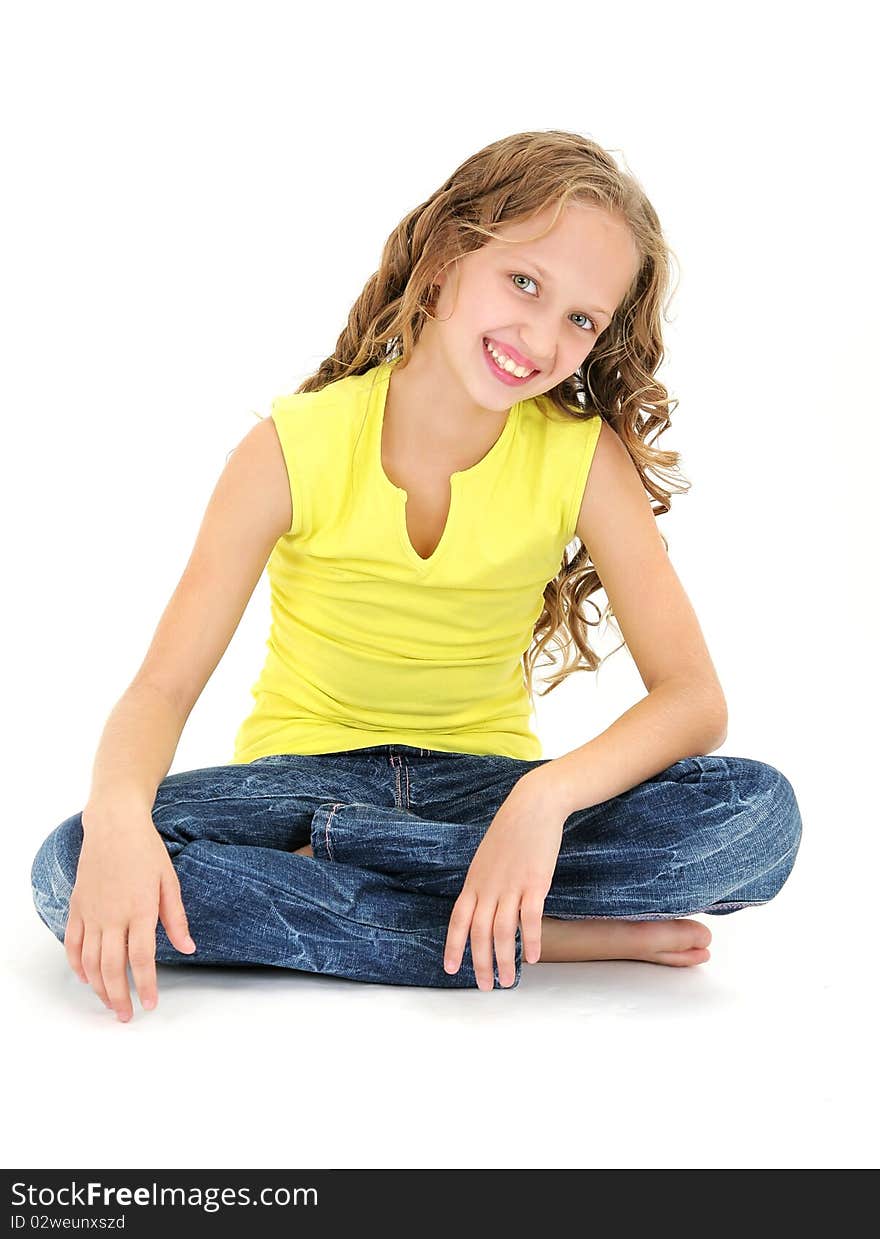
x=676, y=942
x=679, y=943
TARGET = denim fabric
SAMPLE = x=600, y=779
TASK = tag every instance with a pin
x=394, y=829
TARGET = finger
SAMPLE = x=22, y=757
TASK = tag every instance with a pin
x=91, y=961
x=142, y=956
x=504, y=932
x=457, y=934
x=531, y=918
x=482, y=934
x=173, y=914
x=114, y=960
x=73, y=943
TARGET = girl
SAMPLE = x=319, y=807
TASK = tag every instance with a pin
x=387, y=815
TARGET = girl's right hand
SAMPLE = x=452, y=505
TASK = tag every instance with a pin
x=125, y=881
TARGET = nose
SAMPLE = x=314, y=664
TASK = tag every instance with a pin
x=537, y=352
x=539, y=345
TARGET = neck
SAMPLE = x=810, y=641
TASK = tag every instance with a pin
x=431, y=400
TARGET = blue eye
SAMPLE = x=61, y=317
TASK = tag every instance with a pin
x=521, y=276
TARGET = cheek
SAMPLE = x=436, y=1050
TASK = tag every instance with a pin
x=486, y=313
x=482, y=307
x=465, y=313
x=569, y=360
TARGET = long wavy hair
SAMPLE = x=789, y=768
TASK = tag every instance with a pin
x=513, y=179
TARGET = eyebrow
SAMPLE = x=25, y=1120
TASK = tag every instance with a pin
x=594, y=309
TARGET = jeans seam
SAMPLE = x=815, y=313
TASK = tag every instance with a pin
x=398, y=764
x=736, y=903
x=248, y=798
x=327, y=844
x=652, y=916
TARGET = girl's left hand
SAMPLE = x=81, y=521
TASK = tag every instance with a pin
x=509, y=876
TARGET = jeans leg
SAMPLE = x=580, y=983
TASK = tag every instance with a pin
x=250, y=898
x=708, y=834
x=418, y=853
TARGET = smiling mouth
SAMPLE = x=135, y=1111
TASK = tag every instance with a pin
x=487, y=348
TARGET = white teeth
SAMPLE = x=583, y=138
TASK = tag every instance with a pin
x=505, y=363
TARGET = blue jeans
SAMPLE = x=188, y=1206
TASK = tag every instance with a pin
x=394, y=828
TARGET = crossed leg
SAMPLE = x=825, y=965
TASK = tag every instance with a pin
x=679, y=943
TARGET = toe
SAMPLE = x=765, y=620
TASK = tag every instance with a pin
x=683, y=959
x=690, y=934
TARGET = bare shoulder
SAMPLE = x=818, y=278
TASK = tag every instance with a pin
x=618, y=527
x=258, y=463
x=614, y=492
x=248, y=511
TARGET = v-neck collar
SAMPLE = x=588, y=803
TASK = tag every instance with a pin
x=457, y=479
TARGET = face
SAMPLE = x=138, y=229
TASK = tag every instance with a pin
x=542, y=303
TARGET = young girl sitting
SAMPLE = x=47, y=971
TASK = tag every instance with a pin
x=387, y=814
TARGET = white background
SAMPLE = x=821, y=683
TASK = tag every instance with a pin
x=194, y=197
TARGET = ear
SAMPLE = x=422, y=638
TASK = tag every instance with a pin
x=441, y=276
x=436, y=287
x=439, y=283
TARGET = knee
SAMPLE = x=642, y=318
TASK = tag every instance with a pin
x=777, y=814
x=771, y=845
x=760, y=804
x=53, y=874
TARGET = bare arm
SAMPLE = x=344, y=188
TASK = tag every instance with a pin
x=248, y=511
x=125, y=881
x=685, y=711
x=135, y=753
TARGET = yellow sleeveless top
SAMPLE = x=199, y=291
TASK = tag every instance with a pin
x=370, y=643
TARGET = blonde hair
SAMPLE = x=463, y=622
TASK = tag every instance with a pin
x=512, y=179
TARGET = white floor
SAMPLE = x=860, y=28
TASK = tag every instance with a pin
x=765, y=1056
